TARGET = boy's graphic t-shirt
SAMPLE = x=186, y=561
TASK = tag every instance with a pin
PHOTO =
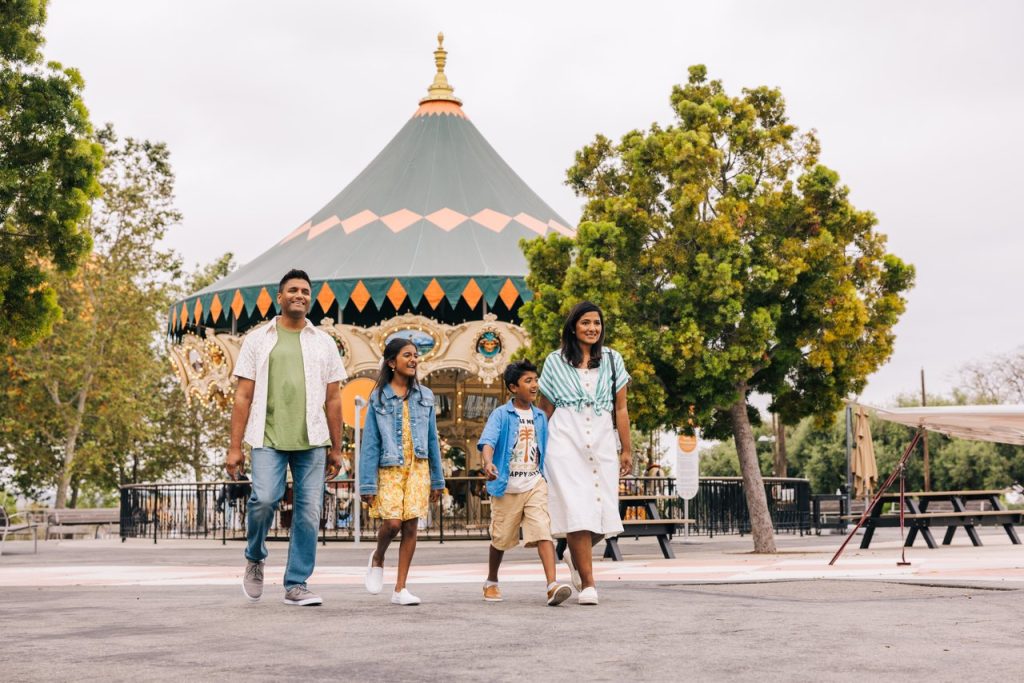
x=523, y=469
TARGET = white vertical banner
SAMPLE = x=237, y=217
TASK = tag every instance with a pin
x=687, y=467
x=687, y=472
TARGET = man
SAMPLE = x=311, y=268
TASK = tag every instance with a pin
x=288, y=409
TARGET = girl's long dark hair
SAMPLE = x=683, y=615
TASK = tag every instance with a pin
x=387, y=373
x=571, y=351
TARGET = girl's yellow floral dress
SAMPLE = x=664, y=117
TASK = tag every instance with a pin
x=403, y=492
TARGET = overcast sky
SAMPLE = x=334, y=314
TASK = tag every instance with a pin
x=271, y=108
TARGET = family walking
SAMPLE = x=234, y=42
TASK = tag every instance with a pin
x=552, y=455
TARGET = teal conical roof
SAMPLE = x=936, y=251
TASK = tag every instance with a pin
x=438, y=212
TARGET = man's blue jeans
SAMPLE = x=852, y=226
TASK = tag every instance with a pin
x=269, y=467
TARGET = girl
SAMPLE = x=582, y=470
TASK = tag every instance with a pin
x=400, y=462
x=583, y=389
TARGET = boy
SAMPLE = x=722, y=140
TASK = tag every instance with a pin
x=512, y=446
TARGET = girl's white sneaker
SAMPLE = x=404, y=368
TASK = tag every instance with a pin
x=587, y=596
x=404, y=597
x=374, y=577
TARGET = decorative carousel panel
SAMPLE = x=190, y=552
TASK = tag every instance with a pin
x=479, y=349
x=204, y=366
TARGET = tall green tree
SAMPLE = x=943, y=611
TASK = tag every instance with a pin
x=49, y=168
x=82, y=400
x=194, y=433
x=730, y=262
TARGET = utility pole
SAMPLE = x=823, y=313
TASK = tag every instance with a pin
x=924, y=442
x=779, y=464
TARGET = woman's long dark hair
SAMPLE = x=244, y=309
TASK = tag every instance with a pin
x=571, y=351
x=387, y=373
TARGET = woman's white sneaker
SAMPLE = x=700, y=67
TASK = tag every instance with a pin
x=404, y=597
x=374, y=577
x=587, y=596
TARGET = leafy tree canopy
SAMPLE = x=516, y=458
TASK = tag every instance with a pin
x=83, y=405
x=49, y=168
x=728, y=261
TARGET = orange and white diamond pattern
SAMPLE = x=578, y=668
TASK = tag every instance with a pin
x=444, y=218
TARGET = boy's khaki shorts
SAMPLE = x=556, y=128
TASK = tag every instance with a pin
x=528, y=510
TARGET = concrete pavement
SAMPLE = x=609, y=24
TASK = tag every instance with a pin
x=102, y=610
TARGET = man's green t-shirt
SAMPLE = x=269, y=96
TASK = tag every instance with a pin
x=286, y=428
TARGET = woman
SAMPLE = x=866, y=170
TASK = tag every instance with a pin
x=583, y=387
x=400, y=463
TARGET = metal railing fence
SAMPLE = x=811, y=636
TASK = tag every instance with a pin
x=217, y=510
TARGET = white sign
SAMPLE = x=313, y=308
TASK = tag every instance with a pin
x=687, y=467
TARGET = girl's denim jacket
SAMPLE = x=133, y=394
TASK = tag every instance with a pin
x=381, y=444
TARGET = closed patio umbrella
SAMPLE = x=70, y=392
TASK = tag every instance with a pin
x=863, y=465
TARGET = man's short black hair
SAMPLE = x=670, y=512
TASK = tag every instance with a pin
x=514, y=371
x=294, y=274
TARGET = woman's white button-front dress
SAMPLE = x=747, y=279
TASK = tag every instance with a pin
x=582, y=469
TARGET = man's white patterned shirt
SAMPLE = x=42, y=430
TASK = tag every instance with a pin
x=321, y=363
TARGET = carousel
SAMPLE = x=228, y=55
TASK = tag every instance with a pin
x=423, y=244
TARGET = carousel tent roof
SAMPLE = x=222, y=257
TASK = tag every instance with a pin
x=438, y=213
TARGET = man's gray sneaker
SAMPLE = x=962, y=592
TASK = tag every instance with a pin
x=301, y=596
x=252, y=582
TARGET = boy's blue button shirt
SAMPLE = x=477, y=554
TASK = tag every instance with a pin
x=501, y=432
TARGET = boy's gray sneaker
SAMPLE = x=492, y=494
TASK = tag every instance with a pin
x=252, y=582
x=301, y=596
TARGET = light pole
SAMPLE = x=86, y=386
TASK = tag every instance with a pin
x=849, y=450
x=357, y=500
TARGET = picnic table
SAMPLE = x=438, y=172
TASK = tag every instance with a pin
x=920, y=520
x=652, y=524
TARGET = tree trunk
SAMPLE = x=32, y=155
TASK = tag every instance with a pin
x=64, y=483
x=753, y=485
x=70, y=446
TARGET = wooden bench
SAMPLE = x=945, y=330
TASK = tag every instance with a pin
x=70, y=521
x=10, y=524
x=920, y=520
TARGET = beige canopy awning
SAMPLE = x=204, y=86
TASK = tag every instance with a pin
x=1002, y=424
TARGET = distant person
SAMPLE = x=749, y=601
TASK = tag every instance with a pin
x=512, y=445
x=288, y=409
x=583, y=393
x=399, y=463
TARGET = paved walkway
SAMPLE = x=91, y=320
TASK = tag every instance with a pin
x=103, y=610
x=137, y=562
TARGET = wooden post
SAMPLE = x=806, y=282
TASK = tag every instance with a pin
x=849, y=455
x=779, y=465
x=924, y=442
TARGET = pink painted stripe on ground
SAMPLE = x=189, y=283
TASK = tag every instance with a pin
x=998, y=568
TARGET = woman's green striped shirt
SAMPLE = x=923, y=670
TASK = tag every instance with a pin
x=560, y=383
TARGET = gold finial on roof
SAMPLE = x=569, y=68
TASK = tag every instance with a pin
x=440, y=90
